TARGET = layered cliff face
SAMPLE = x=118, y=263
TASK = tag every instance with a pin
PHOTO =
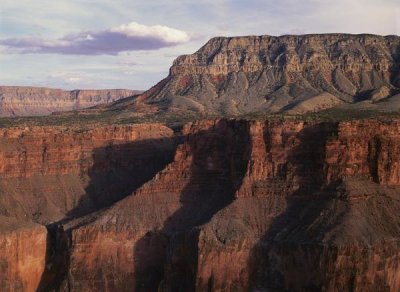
x=32, y=101
x=253, y=206
x=294, y=74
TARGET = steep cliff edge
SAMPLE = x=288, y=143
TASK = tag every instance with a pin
x=293, y=74
x=33, y=101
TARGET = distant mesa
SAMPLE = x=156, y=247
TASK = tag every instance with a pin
x=38, y=101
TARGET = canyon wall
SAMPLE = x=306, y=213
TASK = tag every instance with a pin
x=221, y=205
x=33, y=101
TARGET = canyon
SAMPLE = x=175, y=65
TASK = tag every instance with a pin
x=186, y=188
x=37, y=101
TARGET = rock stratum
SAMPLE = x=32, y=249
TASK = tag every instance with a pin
x=38, y=101
x=219, y=205
x=232, y=76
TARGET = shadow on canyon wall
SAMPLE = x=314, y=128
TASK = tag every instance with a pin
x=297, y=225
x=166, y=260
x=117, y=171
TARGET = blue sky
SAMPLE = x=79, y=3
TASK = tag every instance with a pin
x=131, y=44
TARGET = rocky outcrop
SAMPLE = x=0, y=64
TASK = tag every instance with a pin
x=33, y=101
x=268, y=74
x=22, y=254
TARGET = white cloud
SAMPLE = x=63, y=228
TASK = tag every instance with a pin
x=398, y=21
x=165, y=33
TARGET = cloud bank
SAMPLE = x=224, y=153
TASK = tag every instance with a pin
x=126, y=37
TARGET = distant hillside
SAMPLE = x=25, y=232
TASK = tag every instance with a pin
x=32, y=101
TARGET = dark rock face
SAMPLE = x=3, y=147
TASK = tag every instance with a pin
x=294, y=74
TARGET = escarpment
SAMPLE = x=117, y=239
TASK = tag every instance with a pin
x=292, y=74
x=38, y=101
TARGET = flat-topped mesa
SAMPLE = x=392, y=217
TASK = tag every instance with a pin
x=24, y=101
x=291, y=74
x=292, y=53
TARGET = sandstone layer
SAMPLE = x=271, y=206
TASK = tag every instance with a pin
x=34, y=101
x=268, y=74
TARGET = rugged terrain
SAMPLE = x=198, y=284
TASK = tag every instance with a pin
x=291, y=74
x=34, y=101
x=280, y=203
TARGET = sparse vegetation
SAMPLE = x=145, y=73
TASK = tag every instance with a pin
x=180, y=118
